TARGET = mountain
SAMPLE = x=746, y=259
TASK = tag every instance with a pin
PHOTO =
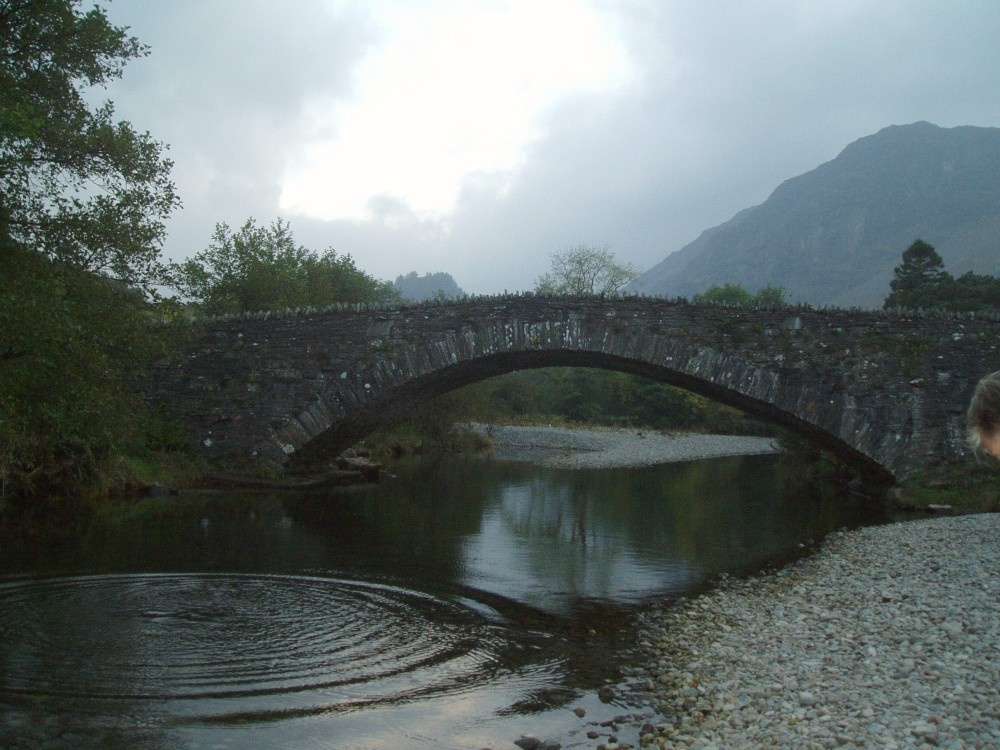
x=415, y=288
x=833, y=236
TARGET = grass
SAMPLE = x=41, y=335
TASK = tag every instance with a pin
x=408, y=439
x=970, y=487
x=167, y=468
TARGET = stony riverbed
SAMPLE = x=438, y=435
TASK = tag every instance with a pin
x=607, y=448
x=887, y=637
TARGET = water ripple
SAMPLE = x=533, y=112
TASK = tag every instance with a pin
x=232, y=647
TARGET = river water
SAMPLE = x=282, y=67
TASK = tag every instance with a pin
x=458, y=603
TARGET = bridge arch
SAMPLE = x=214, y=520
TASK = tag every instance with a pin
x=412, y=395
x=885, y=391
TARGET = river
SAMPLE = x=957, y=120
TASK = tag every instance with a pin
x=459, y=603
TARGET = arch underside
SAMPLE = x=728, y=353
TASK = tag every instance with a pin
x=409, y=396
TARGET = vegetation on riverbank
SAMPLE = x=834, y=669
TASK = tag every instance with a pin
x=970, y=487
x=809, y=469
x=83, y=200
x=588, y=396
x=259, y=268
x=439, y=426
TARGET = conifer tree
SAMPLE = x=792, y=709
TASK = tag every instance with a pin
x=920, y=280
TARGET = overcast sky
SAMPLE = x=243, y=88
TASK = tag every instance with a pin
x=478, y=137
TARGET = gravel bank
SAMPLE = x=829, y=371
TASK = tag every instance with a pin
x=590, y=448
x=886, y=637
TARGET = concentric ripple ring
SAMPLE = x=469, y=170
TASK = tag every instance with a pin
x=227, y=645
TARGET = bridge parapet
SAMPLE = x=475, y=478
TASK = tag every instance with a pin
x=887, y=391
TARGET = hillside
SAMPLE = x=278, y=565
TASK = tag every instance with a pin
x=835, y=234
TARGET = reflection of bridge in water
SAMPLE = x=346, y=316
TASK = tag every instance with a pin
x=885, y=391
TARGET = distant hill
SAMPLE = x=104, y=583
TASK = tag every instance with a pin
x=834, y=235
x=415, y=288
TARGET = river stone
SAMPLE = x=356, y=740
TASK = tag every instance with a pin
x=952, y=628
x=807, y=699
x=872, y=646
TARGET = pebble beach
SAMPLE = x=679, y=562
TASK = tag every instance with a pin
x=609, y=448
x=886, y=637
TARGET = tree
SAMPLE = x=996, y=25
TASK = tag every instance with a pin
x=773, y=296
x=71, y=343
x=726, y=294
x=920, y=280
x=82, y=204
x=596, y=396
x=584, y=271
x=76, y=186
x=261, y=268
x=734, y=294
x=976, y=292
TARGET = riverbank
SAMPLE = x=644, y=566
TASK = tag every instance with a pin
x=886, y=637
x=610, y=448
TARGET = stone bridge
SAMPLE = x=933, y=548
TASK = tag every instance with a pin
x=885, y=390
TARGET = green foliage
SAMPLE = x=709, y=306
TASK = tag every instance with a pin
x=971, y=487
x=920, y=281
x=435, y=425
x=82, y=204
x=725, y=294
x=75, y=186
x=596, y=396
x=261, y=268
x=583, y=271
x=734, y=294
x=70, y=342
x=770, y=296
x=970, y=292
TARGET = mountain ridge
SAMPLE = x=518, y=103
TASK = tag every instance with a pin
x=833, y=235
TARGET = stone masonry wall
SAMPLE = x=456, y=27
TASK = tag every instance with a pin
x=888, y=391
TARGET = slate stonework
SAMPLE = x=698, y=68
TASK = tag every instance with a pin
x=885, y=390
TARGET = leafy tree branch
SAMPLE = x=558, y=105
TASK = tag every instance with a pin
x=262, y=268
x=83, y=200
x=585, y=270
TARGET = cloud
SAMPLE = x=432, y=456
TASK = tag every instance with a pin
x=452, y=88
x=227, y=86
x=714, y=105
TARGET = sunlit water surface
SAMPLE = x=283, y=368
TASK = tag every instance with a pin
x=460, y=603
